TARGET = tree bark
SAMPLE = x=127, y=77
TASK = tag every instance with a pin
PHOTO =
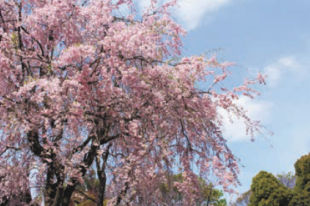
x=102, y=175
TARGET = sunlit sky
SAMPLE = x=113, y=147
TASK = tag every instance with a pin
x=272, y=37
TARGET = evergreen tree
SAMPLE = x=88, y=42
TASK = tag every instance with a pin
x=302, y=168
x=267, y=190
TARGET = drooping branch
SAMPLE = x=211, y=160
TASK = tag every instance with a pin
x=78, y=81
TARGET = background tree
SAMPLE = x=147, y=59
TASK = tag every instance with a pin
x=243, y=199
x=301, y=192
x=268, y=190
x=83, y=87
x=208, y=195
x=302, y=170
x=170, y=196
x=287, y=179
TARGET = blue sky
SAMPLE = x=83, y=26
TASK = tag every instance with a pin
x=270, y=36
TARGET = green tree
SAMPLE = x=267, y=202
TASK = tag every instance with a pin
x=86, y=194
x=300, y=199
x=208, y=194
x=301, y=191
x=302, y=168
x=267, y=190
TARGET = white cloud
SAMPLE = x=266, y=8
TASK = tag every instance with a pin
x=283, y=66
x=190, y=13
x=256, y=110
x=290, y=70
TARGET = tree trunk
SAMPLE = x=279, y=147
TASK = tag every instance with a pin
x=102, y=175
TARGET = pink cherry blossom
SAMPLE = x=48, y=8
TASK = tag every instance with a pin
x=84, y=87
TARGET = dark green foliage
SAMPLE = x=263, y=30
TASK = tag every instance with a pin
x=300, y=199
x=286, y=179
x=302, y=168
x=267, y=190
x=280, y=197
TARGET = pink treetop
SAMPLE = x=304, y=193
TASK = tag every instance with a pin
x=83, y=87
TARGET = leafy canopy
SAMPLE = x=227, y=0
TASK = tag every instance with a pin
x=268, y=190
